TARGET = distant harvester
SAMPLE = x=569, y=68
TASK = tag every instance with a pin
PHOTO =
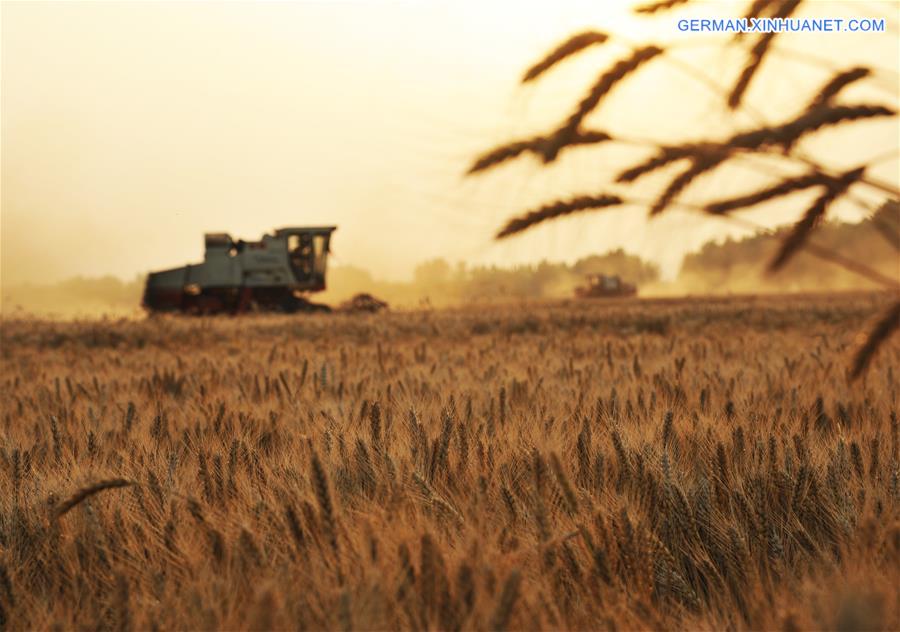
x=604, y=286
x=272, y=274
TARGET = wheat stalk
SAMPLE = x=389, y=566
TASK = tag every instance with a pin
x=507, y=603
x=571, y=46
x=537, y=145
x=837, y=83
x=557, y=209
x=699, y=165
x=757, y=54
x=785, y=136
x=661, y=5
x=785, y=187
x=86, y=492
x=323, y=496
x=566, y=134
x=800, y=233
x=886, y=326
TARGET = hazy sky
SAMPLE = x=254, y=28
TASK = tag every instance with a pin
x=130, y=129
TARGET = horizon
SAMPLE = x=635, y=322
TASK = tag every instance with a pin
x=717, y=241
x=723, y=267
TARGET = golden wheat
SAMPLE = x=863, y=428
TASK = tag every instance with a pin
x=690, y=464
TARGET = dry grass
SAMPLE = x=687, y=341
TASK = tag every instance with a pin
x=623, y=465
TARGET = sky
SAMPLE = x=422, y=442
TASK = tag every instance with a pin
x=131, y=128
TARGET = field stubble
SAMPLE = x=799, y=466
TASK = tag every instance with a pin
x=701, y=464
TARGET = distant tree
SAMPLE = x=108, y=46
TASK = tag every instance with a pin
x=433, y=273
x=630, y=267
x=719, y=266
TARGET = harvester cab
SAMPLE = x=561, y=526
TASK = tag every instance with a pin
x=272, y=274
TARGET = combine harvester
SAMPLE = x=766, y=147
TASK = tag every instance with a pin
x=605, y=286
x=274, y=274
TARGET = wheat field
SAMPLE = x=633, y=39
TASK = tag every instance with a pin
x=615, y=465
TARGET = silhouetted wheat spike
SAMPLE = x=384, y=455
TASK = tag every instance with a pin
x=86, y=492
x=663, y=5
x=700, y=165
x=785, y=135
x=577, y=138
x=883, y=330
x=666, y=155
x=837, y=83
x=756, y=10
x=757, y=53
x=534, y=145
x=557, y=209
x=782, y=188
x=607, y=81
x=799, y=234
x=788, y=134
x=568, y=48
